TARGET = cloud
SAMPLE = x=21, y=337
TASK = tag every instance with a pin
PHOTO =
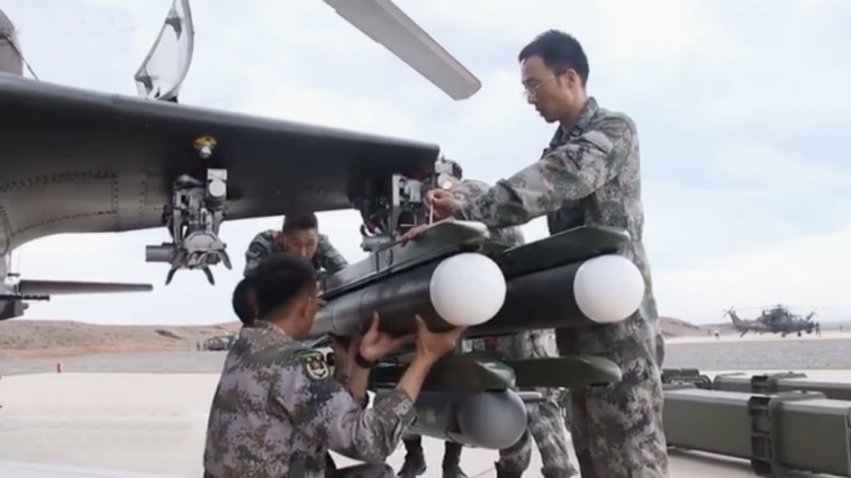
x=742, y=110
x=809, y=270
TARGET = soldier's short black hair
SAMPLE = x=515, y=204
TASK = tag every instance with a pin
x=300, y=222
x=278, y=279
x=241, y=305
x=560, y=51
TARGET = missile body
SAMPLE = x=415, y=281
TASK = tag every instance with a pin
x=492, y=419
x=554, y=283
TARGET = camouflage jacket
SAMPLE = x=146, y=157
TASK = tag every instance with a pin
x=529, y=344
x=277, y=412
x=587, y=176
x=264, y=244
x=470, y=189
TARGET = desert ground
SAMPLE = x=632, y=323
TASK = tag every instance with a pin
x=133, y=401
x=45, y=338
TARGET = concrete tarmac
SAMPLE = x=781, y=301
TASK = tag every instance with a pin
x=121, y=424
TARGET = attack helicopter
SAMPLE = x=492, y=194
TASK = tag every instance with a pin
x=776, y=319
x=82, y=161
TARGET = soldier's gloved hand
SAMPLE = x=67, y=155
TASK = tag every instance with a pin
x=375, y=345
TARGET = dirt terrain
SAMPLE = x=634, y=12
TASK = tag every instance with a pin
x=35, y=338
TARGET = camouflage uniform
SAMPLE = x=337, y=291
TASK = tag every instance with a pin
x=470, y=189
x=277, y=412
x=545, y=418
x=590, y=176
x=264, y=244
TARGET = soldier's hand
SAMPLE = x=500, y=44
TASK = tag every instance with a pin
x=442, y=202
x=375, y=345
x=320, y=295
x=432, y=345
x=414, y=233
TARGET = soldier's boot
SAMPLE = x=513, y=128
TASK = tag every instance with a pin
x=506, y=472
x=452, y=461
x=558, y=472
x=453, y=471
x=414, y=466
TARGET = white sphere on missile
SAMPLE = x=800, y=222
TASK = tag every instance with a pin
x=608, y=288
x=467, y=289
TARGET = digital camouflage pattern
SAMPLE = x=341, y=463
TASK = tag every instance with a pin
x=545, y=418
x=277, y=411
x=590, y=176
x=472, y=188
x=264, y=244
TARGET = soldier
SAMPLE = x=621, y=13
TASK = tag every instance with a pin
x=588, y=175
x=277, y=411
x=415, y=464
x=545, y=418
x=299, y=235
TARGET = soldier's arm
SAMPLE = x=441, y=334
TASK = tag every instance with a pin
x=257, y=250
x=329, y=258
x=325, y=412
x=570, y=172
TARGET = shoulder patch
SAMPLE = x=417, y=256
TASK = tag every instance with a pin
x=314, y=364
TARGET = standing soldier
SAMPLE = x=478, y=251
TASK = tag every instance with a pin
x=544, y=418
x=300, y=236
x=588, y=175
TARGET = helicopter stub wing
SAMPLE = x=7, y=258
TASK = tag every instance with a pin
x=83, y=161
x=389, y=26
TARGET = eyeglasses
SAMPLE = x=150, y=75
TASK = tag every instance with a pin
x=532, y=90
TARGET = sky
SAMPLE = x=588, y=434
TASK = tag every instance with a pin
x=743, y=111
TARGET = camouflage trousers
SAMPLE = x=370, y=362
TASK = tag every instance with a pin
x=617, y=430
x=545, y=426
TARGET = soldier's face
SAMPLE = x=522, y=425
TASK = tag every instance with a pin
x=551, y=93
x=302, y=243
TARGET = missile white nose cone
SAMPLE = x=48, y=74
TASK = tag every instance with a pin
x=467, y=289
x=608, y=288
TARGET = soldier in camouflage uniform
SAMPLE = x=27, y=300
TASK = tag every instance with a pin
x=545, y=418
x=277, y=411
x=415, y=464
x=299, y=235
x=588, y=175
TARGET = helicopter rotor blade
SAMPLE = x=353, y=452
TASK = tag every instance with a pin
x=165, y=67
x=388, y=25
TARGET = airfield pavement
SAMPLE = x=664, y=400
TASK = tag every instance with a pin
x=146, y=413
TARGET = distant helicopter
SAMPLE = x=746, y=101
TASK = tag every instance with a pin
x=774, y=320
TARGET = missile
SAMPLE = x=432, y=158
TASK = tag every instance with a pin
x=600, y=290
x=463, y=290
x=468, y=419
x=571, y=279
